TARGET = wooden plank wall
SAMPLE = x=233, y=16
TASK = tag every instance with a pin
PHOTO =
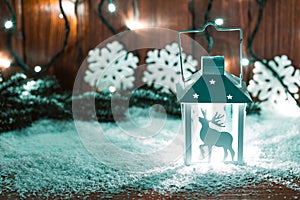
x=40, y=32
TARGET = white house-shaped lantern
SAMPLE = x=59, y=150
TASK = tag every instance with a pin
x=213, y=104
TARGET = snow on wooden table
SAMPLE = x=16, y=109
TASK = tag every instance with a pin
x=48, y=159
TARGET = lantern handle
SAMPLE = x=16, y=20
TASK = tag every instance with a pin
x=218, y=29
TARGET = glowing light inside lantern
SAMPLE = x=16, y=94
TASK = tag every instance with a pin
x=37, y=68
x=111, y=7
x=229, y=117
x=8, y=24
x=4, y=62
x=245, y=62
x=219, y=21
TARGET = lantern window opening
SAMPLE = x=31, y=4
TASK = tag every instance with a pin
x=232, y=119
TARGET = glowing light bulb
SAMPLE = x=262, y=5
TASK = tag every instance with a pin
x=8, y=24
x=4, y=63
x=245, y=62
x=134, y=24
x=111, y=7
x=112, y=89
x=219, y=21
x=69, y=9
x=37, y=68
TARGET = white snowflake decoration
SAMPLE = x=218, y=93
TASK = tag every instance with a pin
x=268, y=89
x=163, y=67
x=111, y=66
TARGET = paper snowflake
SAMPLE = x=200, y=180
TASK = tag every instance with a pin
x=111, y=66
x=163, y=67
x=267, y=88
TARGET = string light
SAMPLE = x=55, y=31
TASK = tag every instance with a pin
x=8, y=24
x=69, y=8
x=245, y=61
x=134, y=24
x=5, y=63
x=112, y=89
x=261, y=5
x=104, y=20
x=219, y=21
x=37, y=68
x=111, y=7
x=19, y=62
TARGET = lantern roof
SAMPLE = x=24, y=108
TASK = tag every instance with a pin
x=212, y=84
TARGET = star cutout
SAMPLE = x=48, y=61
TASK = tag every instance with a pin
x=196, y=96
x=212, y=82
x=229, y=97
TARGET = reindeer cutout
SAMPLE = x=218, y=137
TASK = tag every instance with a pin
x=212, y=137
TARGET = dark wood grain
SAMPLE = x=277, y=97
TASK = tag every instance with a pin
x=40, y=32
x=17, y=39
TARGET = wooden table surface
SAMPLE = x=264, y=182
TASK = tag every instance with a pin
x=259, y=191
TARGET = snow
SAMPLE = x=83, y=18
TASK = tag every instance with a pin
x=49, y=158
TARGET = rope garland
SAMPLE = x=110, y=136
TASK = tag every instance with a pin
x=18, y=60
